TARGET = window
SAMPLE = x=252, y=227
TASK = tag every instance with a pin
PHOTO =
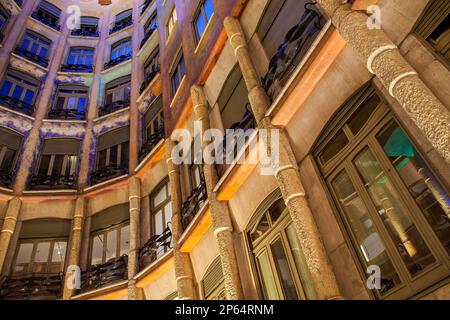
x=171, y=23
x=151, y=24
x=161, y=211
x=35, y=44
x=122, y=48
x=279, y=260
x=110, y=244
x=19, y=87
x=10, y=143
x=391, y=203
x=118, y=91
x=123, y=20
x=434, y=27
x=48, y=14
x=204, y=14
x=213, y=283
x=59, y=157
x=72, y=98
x=81, y=56
x=154, y=119
x=113, y=149
x=178, y=74
x=88, y=27
x=151, y=69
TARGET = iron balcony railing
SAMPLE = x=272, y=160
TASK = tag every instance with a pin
x=17, y=105
x=193, y=203
x=236, y=139
x=151, y=143
x=148, y=34
x=47, y=19
x=113, y=107
x=114, y=270
x=292, y=50
x=117, y=60
x=32, y=287
x=32, y=56
x=107, y=173
x=5, y=178
x=66, y=114
x=122, y=24
x=148, y=78
x=155, y=248
x=86, y=31
x=53, y=182
x=77, y=68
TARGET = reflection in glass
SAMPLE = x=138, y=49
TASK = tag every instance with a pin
x=260, y=228
x=284, y=272
x=267, y=277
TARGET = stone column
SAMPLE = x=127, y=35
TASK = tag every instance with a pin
x=76, y=238
x=31, y=144
x=134, y=194
x=221, y=220
x=14, y=34
x=383, y=59
x=94, y=100
x=183, y=268
x=8, y=228
x=286, y=172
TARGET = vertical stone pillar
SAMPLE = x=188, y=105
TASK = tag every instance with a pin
x=76, y=238
x=134, y=194
x=383, y=59
x=44, y=96
x=183, y=268
x=286, y=172
x=221, y=220
x=8, y=228
x=14, y=33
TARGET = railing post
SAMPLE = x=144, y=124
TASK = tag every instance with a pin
x=286, y=172
x=221, y=220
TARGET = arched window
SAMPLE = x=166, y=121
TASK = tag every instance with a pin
x=394, y=208
x=280, y=265
x=120, y=52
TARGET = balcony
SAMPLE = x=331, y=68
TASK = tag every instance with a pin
x=113, y=107
x=148, y=78
x=151, y=143
x=145, y=5
x=248, y=122
x=107, y=173
x=148, y=34
x=155, y=248
x=17, y=105
x=32, y=287
x=5, y=179
x=32, y=57
x=86, y=31
x=53, y=182
x=193, y=204
x=47, y=19
x=66, y=114
x=117, y=60
x=292, y=51
x=122, y=24
x=77, y=68
x=115, y=270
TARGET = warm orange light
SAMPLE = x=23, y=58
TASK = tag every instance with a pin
x=104, y=2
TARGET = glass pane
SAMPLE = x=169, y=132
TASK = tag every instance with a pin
x=6, y=87
x=8, y=160
x=24, y=255
x=57, y=165
x=29, y=95
x=277, y=209
x=71, y=103
x=260, y=228
x=17, y=93
x=111, y=246
x=42, y=251
x=267, y=277
x=160, y=196
x=43, y=166
x=158, y=222
x=124, y=240
x=97, y=249
x=59, y=251
x=368, y=240
x=200, y=25
x=360, y=117
x=209, y=9
x=113, y=155
x=284, y=272
x=71, y=59
x=427, y=192
x=333, y=147
x=404, y=233
x=167, y=214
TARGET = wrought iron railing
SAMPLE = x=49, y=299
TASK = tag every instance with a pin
x=107, y=173
x=115, y=270
x=5, y=178
x=193, y=203
x=113, y=107
x=155, y=247
x=148, y=78
x=86, y=31
x=148, y=34
x=32, y=286
x=117, y=60
x=47, y=19
x=16, y=105
x=66, y=114
x=151, y=143
x=292, y=50
x=77, y=68
x=235, y=140
x=122, y=24
x=53, y=182
x=32, y=56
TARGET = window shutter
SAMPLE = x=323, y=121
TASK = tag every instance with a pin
x=113, y=138
x=153, y=110
x=110, y=217
x=50, y=8
x=45, y=228
x=10, y=139
x=61, y=146
x=89, y=21
x=436, y=12
x=123, y=15
x=213, y=277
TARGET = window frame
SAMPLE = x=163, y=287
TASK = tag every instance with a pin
x=160, y=207
x=178, y=71
x=201, y=12
x=171, y=23
x=75, y=93
x=27, y=83
x=104, y=231
x=124, y=44
x=36, y=39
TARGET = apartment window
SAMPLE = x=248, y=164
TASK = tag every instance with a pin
x=118, y=91
x=154, y=119
x=88, y=27
x=178, y=73
x=113, y=149
x=434, y=27
x=202, y=17
x=393, y=206
x=121, y=48
x=123, y=20
x=48, y=14
x=59, y=158
x=81, y=56
x=19, y=87
x=171, y=23
x=161, y=209
x=10, y=143
x=72, y=98
x=35, y=44
x=151, y=24
x=213, y=283
x=279, y=260
x=42, y=247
